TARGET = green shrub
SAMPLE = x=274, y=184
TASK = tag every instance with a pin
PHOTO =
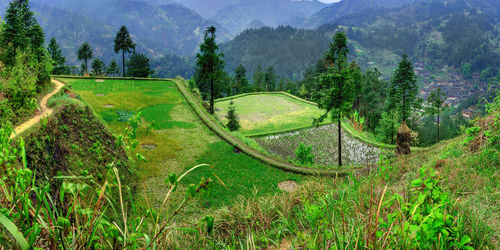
x=304, y=154
x=427, y=220
x=233, y=123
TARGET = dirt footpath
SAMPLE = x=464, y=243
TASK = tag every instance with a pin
x=44, y=111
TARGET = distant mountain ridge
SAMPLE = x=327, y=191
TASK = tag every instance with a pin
x=236, y=17
x=206, y=8
x=436, y=32
x=346, y=7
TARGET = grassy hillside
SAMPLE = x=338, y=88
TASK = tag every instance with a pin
x=173, y=139
x=73, y=141
x=445, y=197
x=269, y=113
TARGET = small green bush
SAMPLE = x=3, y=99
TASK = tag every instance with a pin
x=233, y=123
x=304, y=154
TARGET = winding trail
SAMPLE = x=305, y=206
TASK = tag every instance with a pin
x=44, y=111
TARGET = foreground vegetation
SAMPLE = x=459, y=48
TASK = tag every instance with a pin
x=418, y=201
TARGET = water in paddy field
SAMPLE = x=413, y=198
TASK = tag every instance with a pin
x=324, y=143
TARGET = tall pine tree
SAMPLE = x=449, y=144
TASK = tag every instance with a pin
x=436, y=105
x=21, y=33
x=270, y=79
x=240, y=80
x=258, y=79
x=404, y=88
x=124, y=43
x=58, y=60
x=336, y=85
x=209, y=66
x=18, y=29
x=85, y=54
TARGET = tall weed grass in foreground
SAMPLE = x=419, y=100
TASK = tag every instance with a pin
x=354, y=213
x=83, y=213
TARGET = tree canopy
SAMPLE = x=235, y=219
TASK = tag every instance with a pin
x=19, y=30
x=138, y=66
x=240, y=80
x=113, y=69
x=98, y=67
x=404, y=88
x=58, y=60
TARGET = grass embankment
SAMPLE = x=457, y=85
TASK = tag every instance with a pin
x=249, y=146
x=73, y=141
x=173, y=139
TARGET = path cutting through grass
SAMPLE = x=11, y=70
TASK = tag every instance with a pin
x=44, y=111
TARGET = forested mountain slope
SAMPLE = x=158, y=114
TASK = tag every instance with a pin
x=206, y=8
x=346, y=7
x=441, y=33
x=239, y=16
x=431, y=32
x=287, y=49
x=157, y=30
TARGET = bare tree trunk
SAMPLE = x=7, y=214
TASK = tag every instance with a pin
x=438, y=127
x=392, y=134
x=212, y=94
x=123, y=62
x=340, y=142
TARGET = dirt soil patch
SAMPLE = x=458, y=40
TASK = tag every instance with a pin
x=149, y=146
x=99, y=94
x=288, y=186
x=108, y=105
x=69, y=93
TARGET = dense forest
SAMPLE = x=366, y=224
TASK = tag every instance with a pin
x=287, y=49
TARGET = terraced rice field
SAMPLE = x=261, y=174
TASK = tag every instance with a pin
x=173, y=138
x=278, y=114
x=269, y=113
x=324, y=143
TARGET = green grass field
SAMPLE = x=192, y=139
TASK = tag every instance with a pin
x=269, y=113
x=179, y=138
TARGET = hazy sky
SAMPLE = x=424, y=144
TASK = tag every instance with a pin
x=329, y=1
